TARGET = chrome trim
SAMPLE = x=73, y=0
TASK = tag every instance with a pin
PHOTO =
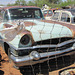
x=44, y=46
x=28, y=60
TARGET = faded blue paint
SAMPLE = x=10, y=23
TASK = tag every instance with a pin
x=48, y=31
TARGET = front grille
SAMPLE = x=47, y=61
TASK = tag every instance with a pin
x=46, y=49
x=52, y=41
x=42, y=50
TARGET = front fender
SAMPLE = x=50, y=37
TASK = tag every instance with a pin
x=16, y=41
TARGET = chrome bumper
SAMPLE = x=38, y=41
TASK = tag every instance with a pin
x=34, y=57
x=29, y=60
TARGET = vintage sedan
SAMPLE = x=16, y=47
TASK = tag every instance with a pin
x=28, y=39
x=66, y=15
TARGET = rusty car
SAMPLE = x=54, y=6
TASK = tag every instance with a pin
x=28, y=39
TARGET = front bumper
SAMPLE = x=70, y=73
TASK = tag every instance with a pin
x=42, y=57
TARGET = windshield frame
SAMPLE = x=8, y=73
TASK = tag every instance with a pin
x=9, y=17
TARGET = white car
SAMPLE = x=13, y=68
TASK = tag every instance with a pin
x=66, y=16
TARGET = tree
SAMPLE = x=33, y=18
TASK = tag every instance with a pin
x=30, y=3
x=20, y=2
x=55, y=1
x=40, y=3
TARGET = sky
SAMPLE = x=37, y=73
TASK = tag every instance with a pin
x=5, y=2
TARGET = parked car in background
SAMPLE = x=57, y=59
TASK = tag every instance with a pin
x=48, y=13
x=28, y=39
x=65, y=16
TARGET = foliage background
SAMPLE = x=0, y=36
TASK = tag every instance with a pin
x=39, y=3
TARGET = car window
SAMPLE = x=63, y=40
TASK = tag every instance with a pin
x=45, y=12
x=5, y=16
x=65, y=17
x=74, y=20
x=55, y=16
x=37, y=14
x=1, y=14
x=50, y=12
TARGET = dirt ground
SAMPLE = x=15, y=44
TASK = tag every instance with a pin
x=6, y=68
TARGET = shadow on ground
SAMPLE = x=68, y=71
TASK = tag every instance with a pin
x=1, y=72
x=46, y=67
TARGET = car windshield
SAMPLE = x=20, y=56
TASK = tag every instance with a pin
x=22, y=13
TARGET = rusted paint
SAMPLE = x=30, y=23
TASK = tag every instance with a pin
x=29, y=23
x=7, y=25
x=25, y=22
x=11, y=7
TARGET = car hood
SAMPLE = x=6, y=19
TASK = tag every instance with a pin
x=42, y=30
x=39, y=29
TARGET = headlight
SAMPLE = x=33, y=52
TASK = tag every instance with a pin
x=25, y=39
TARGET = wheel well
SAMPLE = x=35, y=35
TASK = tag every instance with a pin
x=6, y=46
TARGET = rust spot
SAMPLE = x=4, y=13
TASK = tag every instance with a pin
x=7, y=25
x=29, y=23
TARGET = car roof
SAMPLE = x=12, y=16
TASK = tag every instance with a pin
x=68, y=11
x=65, y=10
x=11, y=7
